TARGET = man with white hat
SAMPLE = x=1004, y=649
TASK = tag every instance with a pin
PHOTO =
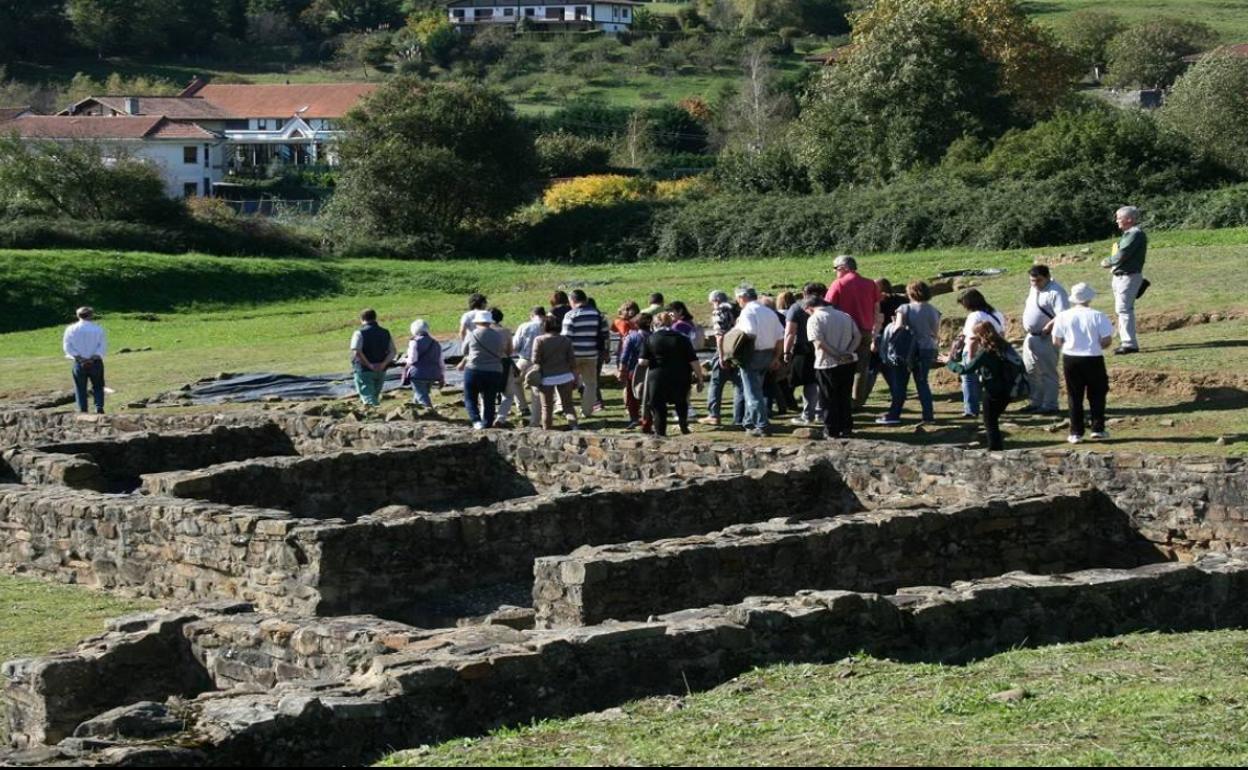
x=85, y=344
x=1082, y=334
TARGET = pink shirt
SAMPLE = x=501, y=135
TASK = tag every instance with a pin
x=858, y=297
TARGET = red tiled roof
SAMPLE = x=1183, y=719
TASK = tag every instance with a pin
x=172, y=107
x=312, y=100
x=170, y=129
x=98, y=127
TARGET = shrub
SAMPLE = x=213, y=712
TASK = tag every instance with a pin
x=598, y=190
x=239, y=237
x=562, y=154
x=621, y=232
x=773, y=170
x=1150, y=55
x=421, y=158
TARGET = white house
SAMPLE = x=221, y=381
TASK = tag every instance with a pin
x=188, y=156
x=610, y=16
x=294, y=123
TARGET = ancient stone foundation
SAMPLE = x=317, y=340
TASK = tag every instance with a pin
x=339, y=589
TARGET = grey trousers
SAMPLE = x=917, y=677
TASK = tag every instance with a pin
x=1040, y=359
x=1125, y=289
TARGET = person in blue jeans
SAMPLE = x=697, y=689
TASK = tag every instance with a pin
x=85, y=343
x=978, y=311
x=763, y=326
x=923, y=321
x=484, y=349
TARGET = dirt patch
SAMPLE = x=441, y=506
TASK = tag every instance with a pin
x=1162, y=383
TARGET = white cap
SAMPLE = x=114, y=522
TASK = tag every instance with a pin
x=1082, y=294
x=483, y=317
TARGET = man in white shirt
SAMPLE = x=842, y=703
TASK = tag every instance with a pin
x=762, y=324
x=1083, y=334
x=85, y=344
x=1046, y=299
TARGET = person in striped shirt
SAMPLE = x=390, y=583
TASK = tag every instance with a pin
x=585, y=327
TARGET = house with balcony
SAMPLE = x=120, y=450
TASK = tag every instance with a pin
x=188, y=156
x=294, y=124
x=610, y=16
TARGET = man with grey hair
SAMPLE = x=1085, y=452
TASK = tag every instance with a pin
x=1127, y=265
x=762, y=324
x=723, y=318
x=85, y=343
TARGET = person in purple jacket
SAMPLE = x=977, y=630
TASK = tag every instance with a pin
x=424, y=364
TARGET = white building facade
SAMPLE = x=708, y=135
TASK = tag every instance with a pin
x=611, y=16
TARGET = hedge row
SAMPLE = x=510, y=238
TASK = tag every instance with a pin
x=932, y=212
x=243, y=237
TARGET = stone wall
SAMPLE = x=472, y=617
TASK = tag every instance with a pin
x=160, y=547
x=412, y=566
x=123, y=459
x=349, y=484
x=465, y=681
x=878, y=551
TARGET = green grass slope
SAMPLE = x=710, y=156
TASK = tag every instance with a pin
x=1151, y=699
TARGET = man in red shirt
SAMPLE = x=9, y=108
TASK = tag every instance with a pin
x=860, y=298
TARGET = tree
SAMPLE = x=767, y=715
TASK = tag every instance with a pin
x=1150, y=55
x=1033, y=71
x=368, y=49
x=1086, y=34
x=30, y=29
x=81, y=181
x=1209, y=106
x=100, y=25
x=429, y=158
x=756, y=116
x=915, y=82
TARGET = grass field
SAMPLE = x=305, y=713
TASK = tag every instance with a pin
x=1228, y=17
x=204, y=315
x=1149, y=699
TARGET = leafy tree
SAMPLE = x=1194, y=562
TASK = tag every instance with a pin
x=1034, y=72
x=645, y=20
x=353, y=15
x=81, y=181
x=1086, y=34
x=917, y=80
x=1150, y=55
x=422, y=158
x=1107, y=147
x=99, y=25
x=368, y=49
x=1209, y=106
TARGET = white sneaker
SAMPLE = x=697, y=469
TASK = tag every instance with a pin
x=800, y=420
x=1073, y=439
x=478, y=426
x=1100, y=434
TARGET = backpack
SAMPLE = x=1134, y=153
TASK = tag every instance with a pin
x=738, y=347
x=898, y=346
x=1016, y=385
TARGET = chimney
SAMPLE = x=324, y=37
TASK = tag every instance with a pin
x=132, y=105
x=196, y=83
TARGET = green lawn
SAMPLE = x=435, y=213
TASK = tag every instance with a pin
x=204, y=315
x=1151, y=699
x=1228, y=17
x=37, y=617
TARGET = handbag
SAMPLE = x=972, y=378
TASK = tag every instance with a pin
x=531, y=376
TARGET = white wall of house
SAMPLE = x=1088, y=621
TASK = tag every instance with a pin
x=602, y=15
x=170, y=157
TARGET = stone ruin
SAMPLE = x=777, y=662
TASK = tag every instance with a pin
x=336, y=589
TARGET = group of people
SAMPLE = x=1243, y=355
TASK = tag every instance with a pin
x=831, y=343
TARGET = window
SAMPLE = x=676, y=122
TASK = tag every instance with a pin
x=190, y=189
x=624, y=14
x=190, y=155
x=206, y=148
x=530, y=11
x=582, y=12
x=483, y=13
x=554, y=13
x=509, y=11
x=262, y=125
x=458, y=13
